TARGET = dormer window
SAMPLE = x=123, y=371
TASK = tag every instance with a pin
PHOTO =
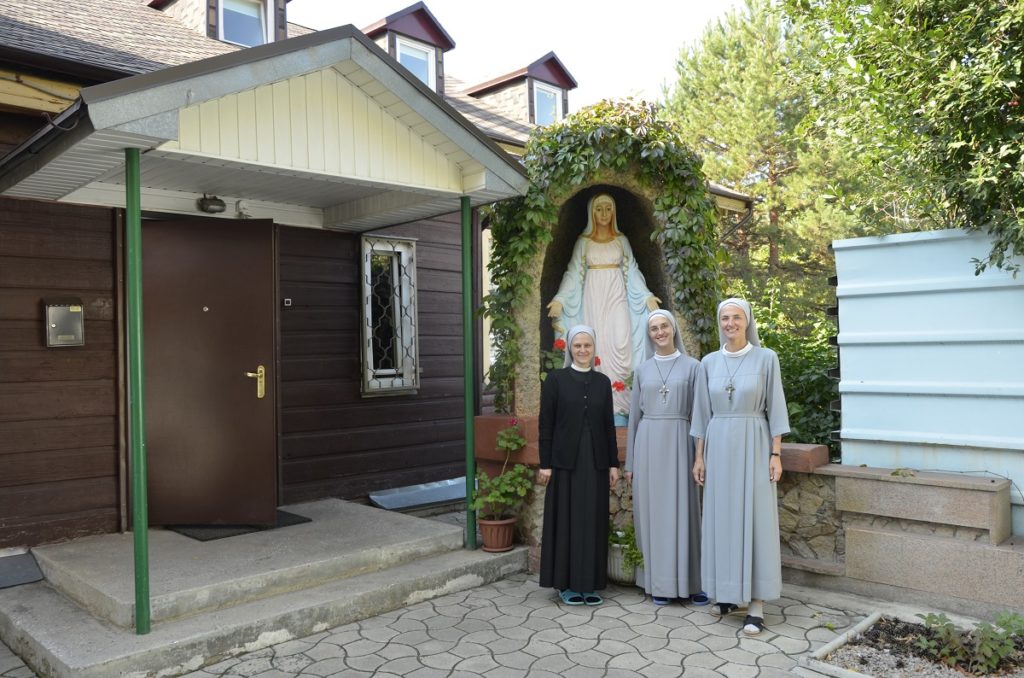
x=418, y=57
x=417, y=41
x=244, y=22
x=547, y=104
x=537, y=94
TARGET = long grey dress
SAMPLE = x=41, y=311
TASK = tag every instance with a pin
x=740, y=546
x=666, y=508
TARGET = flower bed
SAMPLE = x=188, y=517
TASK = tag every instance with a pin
x=889, y=647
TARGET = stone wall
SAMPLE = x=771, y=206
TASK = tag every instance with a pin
x=810, y=526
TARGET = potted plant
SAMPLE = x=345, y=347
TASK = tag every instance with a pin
x=624, y=556
x=497, y=499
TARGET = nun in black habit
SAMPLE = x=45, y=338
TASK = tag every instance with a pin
x=579, y=461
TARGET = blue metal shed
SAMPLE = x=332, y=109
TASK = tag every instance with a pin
x=931, y=357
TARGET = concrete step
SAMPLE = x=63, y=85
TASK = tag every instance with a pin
x=59, y=639
x=189, y=577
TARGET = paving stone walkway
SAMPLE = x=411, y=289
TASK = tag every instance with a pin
x=514, y=628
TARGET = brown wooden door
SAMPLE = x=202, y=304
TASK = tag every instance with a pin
x=208, y=319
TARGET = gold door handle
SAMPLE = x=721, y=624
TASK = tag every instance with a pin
x=260, y=375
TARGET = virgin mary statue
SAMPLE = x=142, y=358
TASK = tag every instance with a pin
x=603, y=287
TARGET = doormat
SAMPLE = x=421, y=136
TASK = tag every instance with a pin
x=18, y=569
x=211, y=532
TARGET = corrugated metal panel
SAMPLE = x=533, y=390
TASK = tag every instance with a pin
x=931, y=357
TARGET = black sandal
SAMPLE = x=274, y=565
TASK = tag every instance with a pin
x=753, y=625
x=727, y=608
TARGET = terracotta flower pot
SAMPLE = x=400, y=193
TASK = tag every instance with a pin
x=497, y=534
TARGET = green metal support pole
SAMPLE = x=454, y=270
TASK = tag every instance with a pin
x=469, y=382
x=136, y=401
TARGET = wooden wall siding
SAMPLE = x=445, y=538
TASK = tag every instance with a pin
x=334, y=442
x=322, y=122
x=58, y=407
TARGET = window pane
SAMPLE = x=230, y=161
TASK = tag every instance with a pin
x=416, y=60
x=383, y=292
x=243, y=23
x=546, y=106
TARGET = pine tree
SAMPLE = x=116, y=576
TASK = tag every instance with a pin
x=741, y=105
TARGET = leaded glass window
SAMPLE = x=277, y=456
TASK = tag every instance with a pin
x=390, y=347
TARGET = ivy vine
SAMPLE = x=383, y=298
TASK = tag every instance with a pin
x=626, y=137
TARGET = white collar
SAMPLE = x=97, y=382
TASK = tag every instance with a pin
x=736, y=354
x=579, y=369
x=671, y=356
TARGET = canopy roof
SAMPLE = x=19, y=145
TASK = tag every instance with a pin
x=323, y=130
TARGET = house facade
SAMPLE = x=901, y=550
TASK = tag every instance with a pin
x=304, y=200
x=301, y=223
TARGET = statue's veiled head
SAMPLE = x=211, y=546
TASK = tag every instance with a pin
x=601, y=213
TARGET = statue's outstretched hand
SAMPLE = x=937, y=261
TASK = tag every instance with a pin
x=555, y=312
x=653, y=303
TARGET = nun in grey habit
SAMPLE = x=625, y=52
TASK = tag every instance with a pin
x=739, y=418
x=659, y=461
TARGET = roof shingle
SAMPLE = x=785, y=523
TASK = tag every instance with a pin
x=120, y=35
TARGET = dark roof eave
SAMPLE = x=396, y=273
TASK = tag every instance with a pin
x=58, y=128
x=84, y=72
x=376, y=27
x=494, y=83
x=551, y=56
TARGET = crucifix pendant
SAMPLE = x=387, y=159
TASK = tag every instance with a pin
x=664, y=393
x=729, y=388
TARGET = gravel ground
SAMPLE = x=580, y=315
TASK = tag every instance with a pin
x=873, y=662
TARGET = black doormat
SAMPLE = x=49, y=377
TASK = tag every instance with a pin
x=18, y=569
x=211, y=532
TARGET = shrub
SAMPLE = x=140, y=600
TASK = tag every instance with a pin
x=625, y=537
x=805, y=356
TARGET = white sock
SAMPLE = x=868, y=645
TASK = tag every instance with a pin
x=756, y=608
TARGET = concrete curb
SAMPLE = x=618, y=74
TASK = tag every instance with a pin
x=814, y=661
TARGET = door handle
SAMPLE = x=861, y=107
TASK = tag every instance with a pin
x=260, y=375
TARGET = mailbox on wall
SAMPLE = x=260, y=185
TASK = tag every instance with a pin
x=65, y=322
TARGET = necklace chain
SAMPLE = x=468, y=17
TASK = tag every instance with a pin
x=730, y=388
x=664, y=390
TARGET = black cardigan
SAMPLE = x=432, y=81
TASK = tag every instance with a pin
x=565, y=406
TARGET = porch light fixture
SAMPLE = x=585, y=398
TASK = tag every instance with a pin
x=211, y=204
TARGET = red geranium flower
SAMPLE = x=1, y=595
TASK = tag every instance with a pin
x=559, y=344
x=618, y=386
x=597, y=361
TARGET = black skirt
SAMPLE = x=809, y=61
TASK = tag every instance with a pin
x=574, y=550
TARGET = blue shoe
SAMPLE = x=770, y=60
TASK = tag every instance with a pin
x=570, y=597
x=659, y=601
x=699, y=599
x=592, y=599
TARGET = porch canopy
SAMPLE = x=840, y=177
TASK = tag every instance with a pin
x=324, y=130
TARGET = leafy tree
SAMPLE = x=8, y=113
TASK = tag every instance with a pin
x=736, y=101
x=927, y=92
